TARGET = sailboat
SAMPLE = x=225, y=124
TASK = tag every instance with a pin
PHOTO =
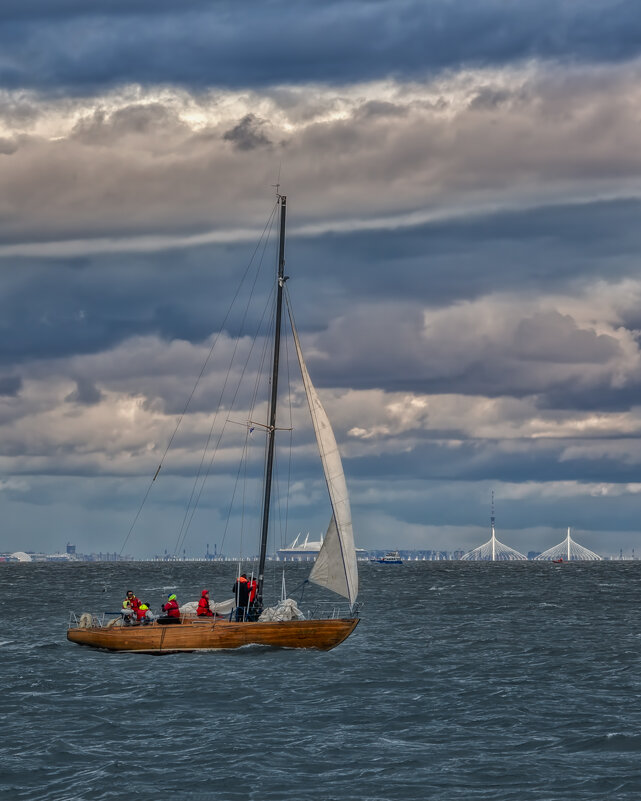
x=335, y=567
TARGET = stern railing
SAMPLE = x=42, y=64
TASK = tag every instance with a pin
x=328, y=610
x=87, y=620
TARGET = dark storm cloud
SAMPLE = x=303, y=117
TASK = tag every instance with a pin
x=468, y=504
x=85, y=393
x=138, y=119
x=47, y=45
x=549, y=248
x=87, y=305
x=10, y=385
x=144, y=165
x=397, y=349
x=7, y=146
x=248, y=134
x=378, y=282
x=491, y=460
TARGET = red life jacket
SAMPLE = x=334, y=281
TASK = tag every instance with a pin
x=140, y=613
x=203, y=608
x=172, y=609
x=135, y=603
x=253, y=586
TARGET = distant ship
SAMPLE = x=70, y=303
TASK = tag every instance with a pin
x=390, y=558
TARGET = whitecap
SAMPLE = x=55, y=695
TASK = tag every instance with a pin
x=170, y=587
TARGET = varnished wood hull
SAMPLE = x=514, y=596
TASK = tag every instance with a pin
x=208, y=635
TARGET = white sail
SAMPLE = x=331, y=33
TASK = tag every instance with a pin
x=335, y=566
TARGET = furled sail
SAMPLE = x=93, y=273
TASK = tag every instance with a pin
x=335, y=566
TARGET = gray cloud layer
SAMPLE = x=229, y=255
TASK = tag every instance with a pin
x=70, y=44
x=164, y=162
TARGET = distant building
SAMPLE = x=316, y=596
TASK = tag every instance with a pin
x=69, y=555
x=305, y=551
x=19, y=556
x=215, y=556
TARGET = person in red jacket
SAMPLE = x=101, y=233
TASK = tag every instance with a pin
x=253, y=586
x=144, y=613
x=203, y=605
x=130, y=607
x=171, y=608
x=131, y=602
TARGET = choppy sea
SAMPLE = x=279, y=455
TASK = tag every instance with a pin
x=463, y=682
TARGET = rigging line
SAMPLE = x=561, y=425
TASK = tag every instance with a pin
x=233, y=495
x=264, y=354
x=260, y=377
x=278, y=497
x=291, y=435
x=303, y=583
x=260, y=373
x=279, y=494
x=260, y=324
x=269, y=450
x=283, y=519
x=269, y=304
x=204, y=478
x=278, y=501
x=215, y=450
x=267, y=345
x=268, y=225
x=220, y=398
x=242, y=507
x=211, y=428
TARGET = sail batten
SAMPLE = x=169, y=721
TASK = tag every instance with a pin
x=335, y=567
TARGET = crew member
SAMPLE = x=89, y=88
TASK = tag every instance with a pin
x=129, y=609
x=203, y=605
x=254, y=610
x=253, y=587
x=144, y=613
x=171, y=608
x=241, y=591
x=130, y=602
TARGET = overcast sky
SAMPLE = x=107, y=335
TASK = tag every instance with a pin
x=464, y=240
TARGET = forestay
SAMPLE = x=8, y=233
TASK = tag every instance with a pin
x=335, y=566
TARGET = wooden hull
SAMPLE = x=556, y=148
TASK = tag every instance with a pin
x=208, y=635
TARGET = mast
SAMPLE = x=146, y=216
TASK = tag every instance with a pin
x=492, y=523
x=492, y=517
x=271, y=430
